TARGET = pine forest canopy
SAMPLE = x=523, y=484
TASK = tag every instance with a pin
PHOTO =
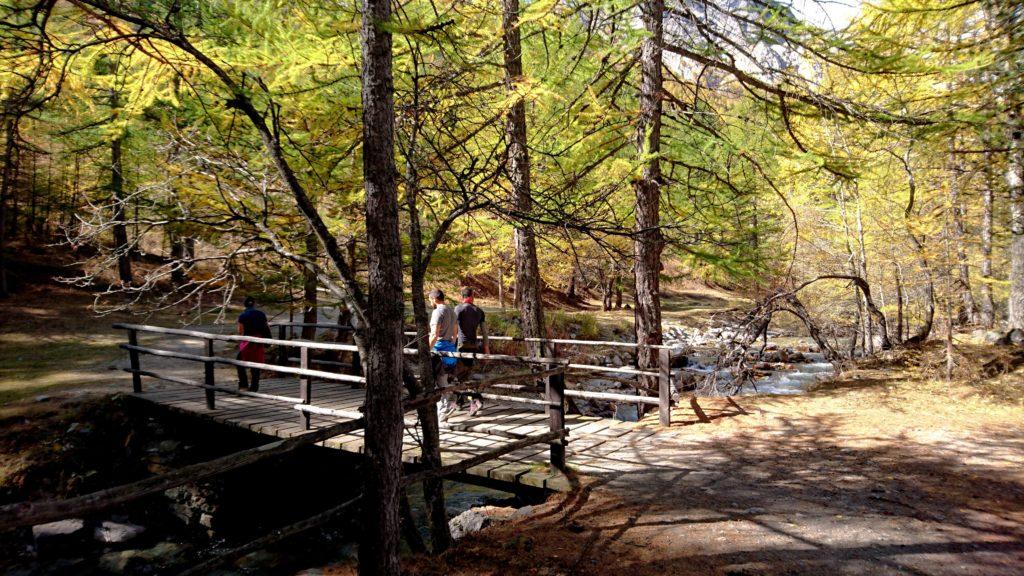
x=184, y=148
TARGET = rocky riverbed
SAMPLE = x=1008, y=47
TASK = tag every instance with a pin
x=787, y=365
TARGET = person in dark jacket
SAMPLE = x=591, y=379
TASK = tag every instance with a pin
x=252, y=322
x=472, y=338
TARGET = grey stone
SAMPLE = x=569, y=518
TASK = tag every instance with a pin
x=991, y=336
x=470, y=521
x=168, y=446
x=163, y=554
x=259, y=560
x=61, y=536
x=117, y=532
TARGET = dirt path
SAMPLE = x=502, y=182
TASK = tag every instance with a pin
x=853, y=479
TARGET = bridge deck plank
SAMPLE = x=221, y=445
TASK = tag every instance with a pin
x=595, y=444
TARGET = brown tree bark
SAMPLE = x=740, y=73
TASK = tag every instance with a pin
x=527, y=278
x=967, y=310
x=648, y=241
x=929, y=292
x=120, y=231
x=987, y=315
x=898, y=275
x=6, y=185
x=433, y=488
x=378, y=548
x=309, y=285
x=177, y=257
x=1015, y=183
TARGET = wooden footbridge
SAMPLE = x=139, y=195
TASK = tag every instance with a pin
x=523, y=437
x=522, y=428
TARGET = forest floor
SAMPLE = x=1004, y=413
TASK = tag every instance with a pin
x=887, y=469
x=884, y=470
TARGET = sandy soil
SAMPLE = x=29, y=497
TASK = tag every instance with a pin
x=874, y=473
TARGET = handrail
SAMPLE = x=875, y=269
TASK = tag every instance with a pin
x=315, y=325
x=187, y=382
x=238, y=338
x=244, y=364
x=571, y=341
x=496, y=357
x=664, y=373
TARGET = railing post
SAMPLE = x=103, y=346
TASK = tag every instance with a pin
x=208, y=378
x=305, y=387
x=664, y=387
x=555, y=392
x=133, y=361
x=282, y=350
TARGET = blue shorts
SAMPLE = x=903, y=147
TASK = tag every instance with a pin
x=446, y=346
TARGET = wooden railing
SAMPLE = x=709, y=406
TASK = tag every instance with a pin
x=663, y=376
x=209, y=360
x=553, y=374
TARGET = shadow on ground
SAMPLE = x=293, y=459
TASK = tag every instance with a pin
x=795, y=499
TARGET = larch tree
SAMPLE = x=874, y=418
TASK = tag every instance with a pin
x=648, y=241
x=517, y=165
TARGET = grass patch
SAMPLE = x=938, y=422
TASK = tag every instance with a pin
x=32, y=365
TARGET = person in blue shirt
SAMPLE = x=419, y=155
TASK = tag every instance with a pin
x=252, y=322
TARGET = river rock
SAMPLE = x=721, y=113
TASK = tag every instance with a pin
x=472, y=520
x=476, y=519
x=59, y=537
x=679, y=360
x=117, y=532
x=163, y=554
x=989, y=336
x=260, y=560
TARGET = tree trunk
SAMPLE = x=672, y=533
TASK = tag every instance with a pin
x=922, y=257
x=6, y=185
x=967, y=311
x=120, y=231
x=378, y=548
x=606, y=290
x=177, y=257
x=1015, y=182
x=528, y=288
x=988, y=308
x=30, y=221
x=501, y=287
x=433, y=488
x=899, y=301
x=648, y=241
x=309, y=285
x=868, y=331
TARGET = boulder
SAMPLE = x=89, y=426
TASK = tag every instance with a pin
x=260, y=560
x=117, y=532
x=60, y=537
x=472, y=520
x=131, y=561
x=990, y=336
x=476, y=519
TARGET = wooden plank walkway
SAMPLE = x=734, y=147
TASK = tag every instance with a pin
x=596, y=445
